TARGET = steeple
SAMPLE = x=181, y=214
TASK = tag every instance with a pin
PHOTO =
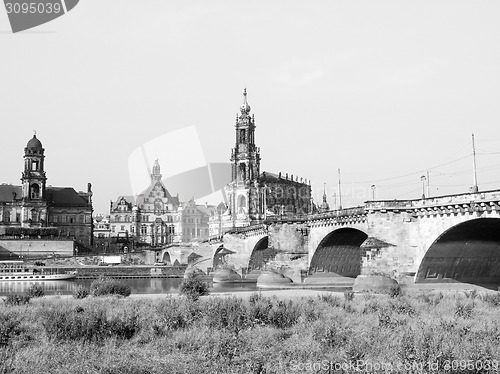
x=245, y=108
x=156, y=175
x=245, y=156
x=324, y=207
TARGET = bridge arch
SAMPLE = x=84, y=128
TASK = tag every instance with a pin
x=339, y=253
x=468, y=252
x=218, y=259
x=166, y=258
x=261, y=254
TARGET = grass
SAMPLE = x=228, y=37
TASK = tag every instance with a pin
x=259, y=335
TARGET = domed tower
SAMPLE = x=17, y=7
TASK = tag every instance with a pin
x=33, y=177
x=34, y=205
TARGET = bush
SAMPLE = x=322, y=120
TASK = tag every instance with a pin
x=193, y=287
x=109, y=286
x=464, y=309
x=330, y=299
x=16, y=299
x=348, y=295
x=491, y=298
x=77, y=324
x=395, y=291
x=81, y=292
x=9, y=327
x=224, y=313
x=35, y=290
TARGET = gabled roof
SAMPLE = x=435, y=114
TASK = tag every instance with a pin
x=7, y=192
x=147, y=193
x=128, y=199
x=64, y=197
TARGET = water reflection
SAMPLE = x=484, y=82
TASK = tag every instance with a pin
x=138, y=285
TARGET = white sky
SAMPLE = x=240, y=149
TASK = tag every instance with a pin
x=380, y=89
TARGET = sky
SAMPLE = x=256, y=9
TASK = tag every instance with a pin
x=385, y=91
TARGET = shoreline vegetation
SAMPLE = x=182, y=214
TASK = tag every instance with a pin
x=256, y=333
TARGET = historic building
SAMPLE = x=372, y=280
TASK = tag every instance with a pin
x=102, y=228
x=157, y=218
x=151, y=217
x=253, y=196
x=193, y=225
x=60, y=211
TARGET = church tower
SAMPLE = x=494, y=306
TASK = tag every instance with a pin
x=33, y=177
x=33, y=184
x=245, y=159
x=245, y=156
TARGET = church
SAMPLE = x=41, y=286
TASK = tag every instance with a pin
x=254, y=197
x=35, y=210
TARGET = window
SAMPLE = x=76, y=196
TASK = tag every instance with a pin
x=122, y=228
x=34, y=165
x=64, y=218
x=35, y=191
x=18, y=217
x=113, y=228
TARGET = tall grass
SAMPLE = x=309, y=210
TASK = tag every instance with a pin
x=257, y=335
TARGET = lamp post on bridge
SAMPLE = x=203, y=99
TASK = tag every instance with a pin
x=423, y=178
x=373, y=191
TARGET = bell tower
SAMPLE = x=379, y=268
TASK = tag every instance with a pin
x=245, y=160
x=245, y=156
x=34, y=206
x=33, y=177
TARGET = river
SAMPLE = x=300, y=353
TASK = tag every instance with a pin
x=138, y=286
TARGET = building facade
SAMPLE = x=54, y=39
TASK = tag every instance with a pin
x=150, y=218
x=102, y=228
x=252, y=196
x=194, y=222
x=34, y=205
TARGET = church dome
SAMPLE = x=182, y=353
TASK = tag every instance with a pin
x=34, y=143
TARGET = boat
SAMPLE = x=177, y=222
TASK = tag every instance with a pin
x=19, y=271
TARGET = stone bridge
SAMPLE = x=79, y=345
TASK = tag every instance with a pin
x=447, y=238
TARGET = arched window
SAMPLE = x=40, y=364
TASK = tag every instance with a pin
x=35, y=191
x=242, y=204
x=242, y=172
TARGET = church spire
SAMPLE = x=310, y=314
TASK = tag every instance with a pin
x=245, y=108
x=324, y=207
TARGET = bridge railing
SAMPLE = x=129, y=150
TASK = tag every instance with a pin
x=339, y=213
x=465, y=198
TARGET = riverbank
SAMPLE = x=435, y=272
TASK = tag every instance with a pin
x=272, y=331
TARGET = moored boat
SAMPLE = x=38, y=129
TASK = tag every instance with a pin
x=19, y=271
